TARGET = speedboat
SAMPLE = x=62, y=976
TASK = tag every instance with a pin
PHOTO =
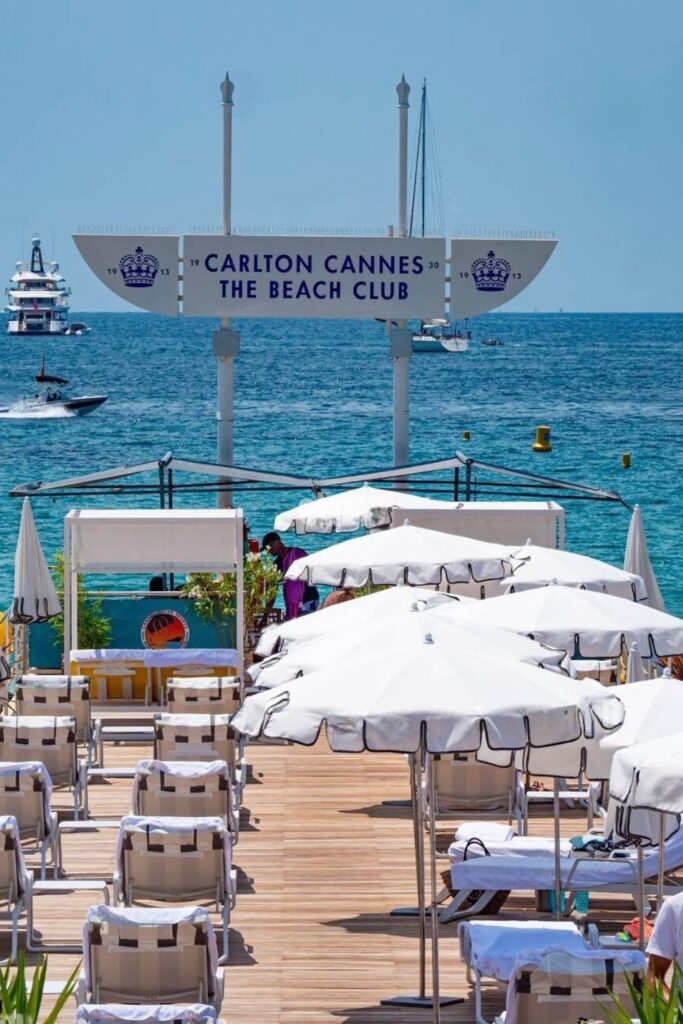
x=440, y=336
x=38, y=298
x=77, y=328
x=51, y=402
x=492, y=342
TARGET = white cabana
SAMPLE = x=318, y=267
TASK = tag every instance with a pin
x=414, y=699
x=365, y=508
x=407, y=554
x=637, y=560
x=35, y=597
x=348, y=616
x=583, y=623
x=542, y=566
x=403, y=627
x=151, y=541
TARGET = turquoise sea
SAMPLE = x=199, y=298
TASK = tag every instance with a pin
x=314, y=398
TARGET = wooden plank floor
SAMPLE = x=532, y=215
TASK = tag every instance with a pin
x=321, y=864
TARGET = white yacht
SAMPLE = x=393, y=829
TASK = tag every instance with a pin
x=38, y=299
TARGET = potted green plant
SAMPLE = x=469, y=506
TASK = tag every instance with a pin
x=654, y=1002
x=94, y=628
x=215, y=596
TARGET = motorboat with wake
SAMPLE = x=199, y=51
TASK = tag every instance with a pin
x=492, y=342
x=51, y=402
x=77, y=328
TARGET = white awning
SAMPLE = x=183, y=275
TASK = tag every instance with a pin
x=155, y=540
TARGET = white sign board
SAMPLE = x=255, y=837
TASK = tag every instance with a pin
x=485, y=273
x=279, y=276
x=142, y=269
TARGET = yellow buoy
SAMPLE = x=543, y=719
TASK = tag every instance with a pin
x=626, y=460
x=542, y=442
x=465, y=435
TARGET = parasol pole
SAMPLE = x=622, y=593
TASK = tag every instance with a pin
x=401, y=339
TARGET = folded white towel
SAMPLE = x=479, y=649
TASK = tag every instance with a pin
x=485, y=830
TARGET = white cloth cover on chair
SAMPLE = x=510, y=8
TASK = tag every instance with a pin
x=13, y=771
x=514, y=846
x=173, y=826
x=198, y=772
x=493, y=947
x=144, y=917
x=117, y=1013
x=11, y=840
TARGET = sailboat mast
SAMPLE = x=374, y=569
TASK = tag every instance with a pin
x=423, y=138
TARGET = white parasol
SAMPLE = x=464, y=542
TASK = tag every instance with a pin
x=348, y=616
x=402, y=627
x=414, y=699
x=637, y=560
x=408, y=554
x=363, y=507
x=541, y=566
x=635, y=666
x=583, y=623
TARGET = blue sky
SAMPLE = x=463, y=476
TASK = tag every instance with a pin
x=547, y=115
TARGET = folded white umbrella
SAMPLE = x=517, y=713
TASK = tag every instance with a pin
x=541, y=566
x=402, y=627
x=348, y=616
x=635, y=666
x=583, y=623
x=407, y=554
x=35, y=597
x=637, y=560
x=363, y=507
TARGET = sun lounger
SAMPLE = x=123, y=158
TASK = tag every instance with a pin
x=206, y=695
x=135, y=955
x=25, y=793
x=199, y=738
x=14, y=878
x=464, y=785
x=480, y=878
x=490, y=949
x=556, y=987
x=57, y=695
x=176, y=859
x=51, y=741
x=185, y=789
x=119, y=1013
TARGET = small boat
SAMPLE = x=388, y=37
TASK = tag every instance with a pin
x=51, y=402
x=77, y=328
x=492, y=342
x=440, y=336
x=38, y=298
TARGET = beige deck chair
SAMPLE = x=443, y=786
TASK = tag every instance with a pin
x=103, y=671
x=57, y=695
x=465, y=786
x=205, y=695
x=51, y=741
x=177, y=860
x=25, y=792
x=194, y=738
x=562, y=988
x=136, y=955
x=14, y=879
x=185, y=789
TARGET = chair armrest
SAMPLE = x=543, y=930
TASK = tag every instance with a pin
x=220, y=987
x=116, y=888
x=80, y=990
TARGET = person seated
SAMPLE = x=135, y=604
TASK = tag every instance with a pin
x=666, y=941
x=338, y=596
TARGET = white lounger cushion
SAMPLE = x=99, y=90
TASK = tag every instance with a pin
x=494, y=947
x=538, y=872
x=173, y=826
x=113, y=1013
x=486, y=830
x=124, y=917
x=515, y=846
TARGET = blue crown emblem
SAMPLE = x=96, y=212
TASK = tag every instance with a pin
x=139, y=270
x=490, y=274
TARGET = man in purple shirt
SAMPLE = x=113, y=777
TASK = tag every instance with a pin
x=300, y=598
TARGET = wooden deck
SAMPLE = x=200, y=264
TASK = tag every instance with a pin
x=321, y=863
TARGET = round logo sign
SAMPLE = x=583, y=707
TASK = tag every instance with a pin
x=165, y=628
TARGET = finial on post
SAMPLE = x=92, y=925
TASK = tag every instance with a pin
x=403, y=90
x=227, y=89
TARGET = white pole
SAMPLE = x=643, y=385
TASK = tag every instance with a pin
x=66, y=598
x=226, y=342
x=401, y=339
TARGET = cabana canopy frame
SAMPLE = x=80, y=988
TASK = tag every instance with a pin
x=465, y=484
x=151, y=541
